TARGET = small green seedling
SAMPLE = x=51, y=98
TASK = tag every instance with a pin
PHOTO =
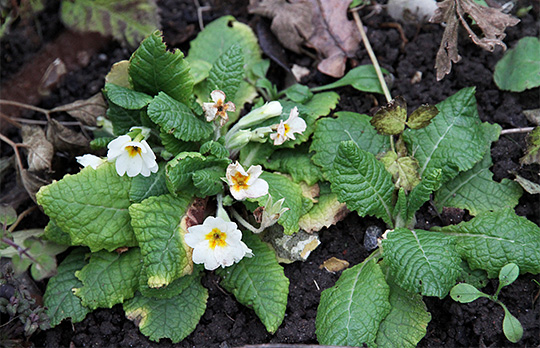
x=465, y=293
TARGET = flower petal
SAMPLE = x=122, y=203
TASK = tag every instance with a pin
x=116, y=147
x=90, y=160
x=258, y=189
x=216, y=95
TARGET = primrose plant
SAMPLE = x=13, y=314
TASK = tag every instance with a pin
x=173, y=190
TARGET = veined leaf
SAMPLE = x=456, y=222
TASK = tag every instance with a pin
x=227, y=72
x=109, y=278
x=259, y=283
x=326, y=212
x=296, y=162
x=362, y=182
x=170, y=290
x=60, y=301
x=126, y=98
x=128, y=21
x=519, y=68
x=177, y=118
x=476, y=191
x=330, y=132
x=422, y=261
x=123, y=119
x=55, y=234
x=422, y=192
x=363, y=78
x=153, y=69
x=174, y=317
x=454, y=141
x=493, y=239
x=157, y=222
x=351, y=311
x=143, y=187
x=92, y=207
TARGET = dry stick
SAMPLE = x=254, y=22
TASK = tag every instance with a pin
x=517, y=130
x=15, y=148
x=20, y=217
x=26, y=106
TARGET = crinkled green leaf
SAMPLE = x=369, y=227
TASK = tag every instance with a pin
x=422, y=192
x=153, y=69
x=532, y=155
x=170, y=290
x=109, y=278
x=494, y=239
x=208, y=181
x=143, y=187
x=255, y=153
x=92, y=207
x=454, y=141
x=296, y=162
x=157, y=222
x=174, y=146
x=362, y=182
x=476, y=191
x=55, y=234
x=281, y=186
x=214, y=149
x=128, y=21
x=177, y=118
x=351, y=311
x=227, y=72
x=390, y=119
x=259, y=283
x=363, y=78
x=406, y=324
x=60, y=301
x=330, y=132
x=122, y=119
x=174, y=317
x=126, y=98
x=325, y=213
x=298, y=93
x=422, y=261
x=519, y=68
x=477, y=278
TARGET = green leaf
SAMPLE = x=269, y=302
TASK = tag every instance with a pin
x=259, y=283
x=532, y=155
x=299, y=93
x=227, y=72
x=422, y=192
x=170, y=290
x=157, y=222
x=122, y=119
x=126, y=20
x=174, y=146
x=174, y=317
x=477, y=278
x=508, y=274
x=421, y=261
x=92, y=207
x=55, y=234
x=109, y=278
x=296, y=162
x=126, y=98
x=476, y=191
x=406, y=324
x=325, y=213
x=493, y=239
x=330, y=132
x=143, y=187
x=519, y=68
x=404, y=170
x=281, y=186
x=363, y=78
x=454, y=141
x=512, y=327
x=208, y=181
x=362, y=182
x=177, y=118
x=60, y=301
x=390, y=119
x=465, y=293
x=351, y=311
x=153, y=69
x=8, y=215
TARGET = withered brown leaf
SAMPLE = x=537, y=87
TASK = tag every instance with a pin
x=65, y=139
x=85, y=111
x=40, y=151
x=491, y=21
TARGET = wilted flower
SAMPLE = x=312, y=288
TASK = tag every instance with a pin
x=216, y=243
x=285, y=130
x=244, y=184
x=90, y=160
x=269, y=214
x=132, y=157
x=218, y=108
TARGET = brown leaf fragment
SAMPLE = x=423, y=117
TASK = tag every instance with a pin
x=493, y=22
x=86, y=111
x=334, y=265
x=65, y=139
x=40, y=150
x=32, y=182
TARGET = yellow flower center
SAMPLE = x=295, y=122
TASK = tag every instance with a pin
x=133, y=150
x=240, y=181
x=287, y=128
x=221, y=108
x=216, y=238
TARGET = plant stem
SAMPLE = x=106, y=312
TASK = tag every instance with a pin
x=371, y=55
x=517, y=130
x=26, y=106
x=20, y=217
x=243, y=222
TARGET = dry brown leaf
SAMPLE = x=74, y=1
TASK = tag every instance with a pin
x=40, y=150
x=334, y=265
x=86, y=111
x=32, y=182
x=321, y=25
x=491, y=21
x=65, y=139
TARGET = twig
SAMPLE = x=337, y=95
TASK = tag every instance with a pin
x=26, y=106
x=15, y=148
x=10, y=120
x=200, y=10
x=19, y=249
x=517, y=130
x=44, y=123
x=372, y=56
x=20, y=217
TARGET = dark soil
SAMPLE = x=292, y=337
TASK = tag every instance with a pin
x=229, y=324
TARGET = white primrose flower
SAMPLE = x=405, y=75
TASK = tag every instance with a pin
x=132, y=157
x=244, y=184
x=216, y=243
x=90, y=160
x=285, y=130
x=218, y=108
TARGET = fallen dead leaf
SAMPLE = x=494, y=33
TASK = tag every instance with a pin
x=86, y=111
x=65, y=139
x=334, y=265
x=32, y=182
x=40, y=151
